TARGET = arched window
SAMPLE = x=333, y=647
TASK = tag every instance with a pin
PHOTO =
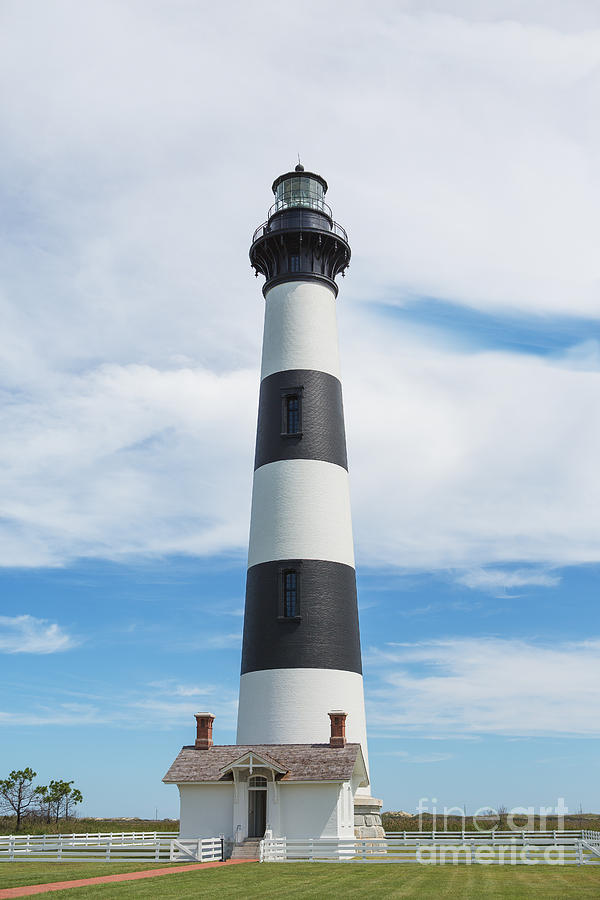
x=257, y=783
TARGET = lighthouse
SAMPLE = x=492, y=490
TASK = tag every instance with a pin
x=299, y=768
x=301, y=647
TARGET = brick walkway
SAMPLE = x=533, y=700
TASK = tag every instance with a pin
x=31, y=889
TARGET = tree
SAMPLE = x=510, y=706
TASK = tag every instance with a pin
x=58, y=796
x=45, y=793
x=50, y=797
x=17, y=792
x=72, y=798
x=43, y=800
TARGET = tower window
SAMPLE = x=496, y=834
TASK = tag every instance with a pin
x=294, y=263
x=290, y=593
x=289, y=584
x=292, y=409
x=291, y=412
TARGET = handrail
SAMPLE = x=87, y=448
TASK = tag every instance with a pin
x=269, y=227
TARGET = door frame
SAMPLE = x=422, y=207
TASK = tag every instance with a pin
x=254, y=790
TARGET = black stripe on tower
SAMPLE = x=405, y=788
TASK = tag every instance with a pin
x=324, y=633
x=300, y=416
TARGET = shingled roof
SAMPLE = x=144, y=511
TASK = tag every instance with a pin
x=300, y=762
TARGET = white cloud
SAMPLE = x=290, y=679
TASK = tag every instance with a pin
x=468, y=459
x=405, y=757
x=131, y=325
x=484, y=458
x=26, y=634
x=135, y=179
x=128, y=460
x=495, y=580
x=184, y=690
x=221, y=641
x=467, y=686
x=163, y=705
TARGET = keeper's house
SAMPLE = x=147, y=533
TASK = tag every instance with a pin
x=294, y=790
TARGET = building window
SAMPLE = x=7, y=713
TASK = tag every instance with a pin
x=292, y=414
x=257, y=783
x=290, y=593
x=294, y=263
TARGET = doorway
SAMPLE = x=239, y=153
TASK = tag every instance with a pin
x=257, y=806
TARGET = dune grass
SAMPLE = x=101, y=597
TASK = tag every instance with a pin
x=36, y=825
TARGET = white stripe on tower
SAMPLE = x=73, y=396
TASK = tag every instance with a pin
x=300, y=329
x=301, y=510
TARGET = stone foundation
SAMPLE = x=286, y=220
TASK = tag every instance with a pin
x=367, y=818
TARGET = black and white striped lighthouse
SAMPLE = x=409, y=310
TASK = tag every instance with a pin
x=301, y=649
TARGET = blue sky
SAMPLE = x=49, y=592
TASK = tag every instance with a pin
x=461, y=147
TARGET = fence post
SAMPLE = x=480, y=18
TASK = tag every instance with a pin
x=108, y=851
x=579, y=853
x=157, y=851
x=11, y=849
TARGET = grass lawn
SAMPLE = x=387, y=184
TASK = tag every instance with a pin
x=315, y=881
x=15, y=874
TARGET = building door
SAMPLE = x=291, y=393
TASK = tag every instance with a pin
x=257, y=806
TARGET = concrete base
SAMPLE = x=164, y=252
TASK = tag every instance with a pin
x=367, y=818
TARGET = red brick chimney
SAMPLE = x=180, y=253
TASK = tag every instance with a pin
x=338, y=728
x=204, y=724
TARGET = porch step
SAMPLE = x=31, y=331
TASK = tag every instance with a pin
x=248, y=849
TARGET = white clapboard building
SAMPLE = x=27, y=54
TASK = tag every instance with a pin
x=301, y=672
x=287, y=790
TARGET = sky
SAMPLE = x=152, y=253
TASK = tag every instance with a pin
x=461, y=144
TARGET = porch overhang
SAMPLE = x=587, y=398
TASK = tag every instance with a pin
x=252, y=760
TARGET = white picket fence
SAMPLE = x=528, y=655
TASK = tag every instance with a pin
x=444, y=848
x=494, y=848
x=134, y=846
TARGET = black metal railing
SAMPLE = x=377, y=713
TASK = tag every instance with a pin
x=309, y=222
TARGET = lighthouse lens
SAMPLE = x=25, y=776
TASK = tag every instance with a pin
x=304, y=192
